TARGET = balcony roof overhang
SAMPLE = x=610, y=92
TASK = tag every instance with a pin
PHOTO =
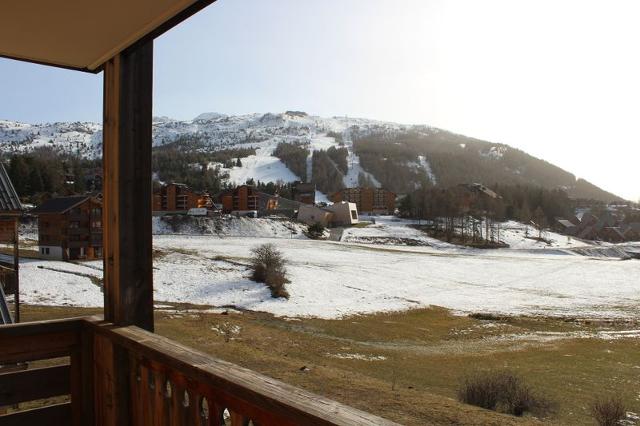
x=84, y=34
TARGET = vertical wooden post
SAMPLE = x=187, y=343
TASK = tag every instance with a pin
x=128, y=273
x=127, y=240
x=16, y=270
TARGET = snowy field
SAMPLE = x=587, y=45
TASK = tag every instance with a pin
x=336, y=279
x=516, y=235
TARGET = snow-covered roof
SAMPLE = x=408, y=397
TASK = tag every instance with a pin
x=9, y=200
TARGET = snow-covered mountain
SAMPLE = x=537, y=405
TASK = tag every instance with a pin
x=213, y=131
x=398, y=156
x=80, y=138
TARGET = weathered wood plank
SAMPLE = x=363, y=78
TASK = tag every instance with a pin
x=104, y=382
x=52, y=415
x=37, y=383
x=16, y=268
x=86, y=374
x=238, y=419
x=43, y=346
x=35, y=328
x=128, y=272
x=39, y=340
x=260, y=398
x=162, y=401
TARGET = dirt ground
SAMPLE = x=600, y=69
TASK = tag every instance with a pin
x=408, y=366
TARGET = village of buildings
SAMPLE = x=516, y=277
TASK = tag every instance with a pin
x=70, y=228
x=355, y=230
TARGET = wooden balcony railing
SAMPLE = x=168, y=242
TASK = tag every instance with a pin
x=125, y=375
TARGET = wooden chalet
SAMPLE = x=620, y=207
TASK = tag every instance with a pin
x=246, y=198
x=70, y=228
x=179, y=197
x=117, y=371
x=368, y=200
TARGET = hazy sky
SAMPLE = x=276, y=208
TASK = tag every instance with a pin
x=559, y=79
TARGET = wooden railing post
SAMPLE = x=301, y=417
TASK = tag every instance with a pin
x=128, y=276
x=127, y=240
x=83, y=379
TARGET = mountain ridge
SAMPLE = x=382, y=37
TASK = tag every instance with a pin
x=398, y=156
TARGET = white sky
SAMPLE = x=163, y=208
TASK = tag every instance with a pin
x=558, y=79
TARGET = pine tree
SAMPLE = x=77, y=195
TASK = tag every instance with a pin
x=35, y=181
x=19, y=172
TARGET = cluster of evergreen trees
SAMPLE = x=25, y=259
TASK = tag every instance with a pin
x=194, y=169
x=337, y=137
x=523, y=203
x=326, y=174
x=327, y=167
x=44, y=173
x=456, y=159
x=294, y=156
x=339, y=157
x=284, y=189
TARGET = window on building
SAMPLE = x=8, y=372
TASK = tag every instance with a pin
x=354, y=215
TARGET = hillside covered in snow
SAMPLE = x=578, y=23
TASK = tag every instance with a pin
x=332, y=152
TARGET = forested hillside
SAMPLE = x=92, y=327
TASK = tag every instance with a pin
x=394, y=159
x=214, y=150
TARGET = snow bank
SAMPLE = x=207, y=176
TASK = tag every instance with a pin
x=515, y=234
x=391, y=230
x=228, y=226
x=45, y=283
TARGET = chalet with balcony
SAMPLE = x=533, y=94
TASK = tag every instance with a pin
x=368, y=200
x=178, y=197
x=245, y=199
x=70, y=228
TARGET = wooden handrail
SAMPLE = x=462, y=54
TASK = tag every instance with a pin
x=38, y=340
x=20, y=343
x=158, y=363
x=127, y=375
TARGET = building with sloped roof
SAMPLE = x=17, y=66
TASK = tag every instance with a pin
x=70, y=228
x=9, y=200
x=178, y=197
